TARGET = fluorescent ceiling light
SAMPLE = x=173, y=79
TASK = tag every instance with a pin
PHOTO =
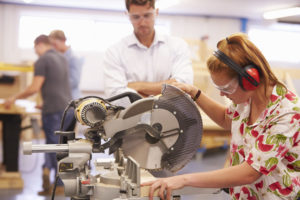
x=282, y=13
x=162, y=4
x=27, y=1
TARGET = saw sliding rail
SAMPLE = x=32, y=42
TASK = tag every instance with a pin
x=28, y=148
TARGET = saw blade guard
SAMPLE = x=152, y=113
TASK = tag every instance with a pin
x=176, y=131
x=190, y=123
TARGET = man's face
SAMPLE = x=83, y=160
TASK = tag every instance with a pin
x=38, y=49
x=142, y=19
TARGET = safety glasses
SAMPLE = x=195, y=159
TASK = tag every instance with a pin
x=229, y=88
x=146, y=16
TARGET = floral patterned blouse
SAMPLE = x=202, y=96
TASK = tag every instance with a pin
x=271, y=146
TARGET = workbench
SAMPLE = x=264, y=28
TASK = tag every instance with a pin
x=11, y=129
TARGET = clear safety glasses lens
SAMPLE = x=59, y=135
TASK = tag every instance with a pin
x=229, y=88
x=137, y=17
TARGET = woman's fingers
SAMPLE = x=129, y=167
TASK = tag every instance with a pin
x=147, y=183
x=184, y=87
x=162, y=191
x=168, y=194
x=153, y=187
x=164, y=187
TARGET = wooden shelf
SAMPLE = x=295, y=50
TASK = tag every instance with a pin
x=15, y=67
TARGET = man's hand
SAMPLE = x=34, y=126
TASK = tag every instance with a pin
x=170, y=81
x=8, y=102
x=39, y=106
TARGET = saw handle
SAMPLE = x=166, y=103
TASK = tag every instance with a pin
x=131, y=95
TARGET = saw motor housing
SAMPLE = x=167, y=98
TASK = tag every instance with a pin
x=155, y=133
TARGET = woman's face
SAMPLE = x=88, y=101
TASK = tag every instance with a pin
x=230, y=88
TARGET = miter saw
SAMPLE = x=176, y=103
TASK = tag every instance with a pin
x=155, y=133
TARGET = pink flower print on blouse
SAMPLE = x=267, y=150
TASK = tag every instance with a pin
x=274, y=98
x=291, y=96
x=236, y=116
x=282, y=190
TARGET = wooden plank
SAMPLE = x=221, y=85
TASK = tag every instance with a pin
x=11, y=180
x=145, y=177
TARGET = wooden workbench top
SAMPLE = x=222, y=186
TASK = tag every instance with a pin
x=21, y=106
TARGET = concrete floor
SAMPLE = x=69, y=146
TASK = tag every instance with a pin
x=30, y=168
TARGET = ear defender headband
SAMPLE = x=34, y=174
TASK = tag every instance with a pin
x=248, y=76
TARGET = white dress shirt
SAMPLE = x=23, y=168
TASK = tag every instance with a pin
x=130, y=61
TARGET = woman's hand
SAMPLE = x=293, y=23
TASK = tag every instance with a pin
x=189, y=89
x=165, y=186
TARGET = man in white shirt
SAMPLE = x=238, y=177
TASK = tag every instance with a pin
x=145, y=60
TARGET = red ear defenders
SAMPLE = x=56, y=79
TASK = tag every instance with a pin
x=248, y=76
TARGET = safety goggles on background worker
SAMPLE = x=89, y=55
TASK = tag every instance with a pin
x=229, y=88
x=146, y=16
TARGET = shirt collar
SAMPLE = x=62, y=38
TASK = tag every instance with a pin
x=273, y=104
x=133, y=41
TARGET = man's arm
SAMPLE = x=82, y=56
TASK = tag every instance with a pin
x=182, y=69
x=115, y=81
x=35, y=86
x=149, y=88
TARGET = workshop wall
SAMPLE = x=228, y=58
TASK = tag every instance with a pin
x=1, y=31
x=187, y=27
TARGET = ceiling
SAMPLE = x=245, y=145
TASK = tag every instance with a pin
x=252, y=9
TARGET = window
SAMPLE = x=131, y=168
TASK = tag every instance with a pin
x=89, y=35
x=83, y=33
x=76, y=30
x=279, y=43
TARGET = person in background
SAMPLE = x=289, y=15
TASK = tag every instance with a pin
x=144, y=60
x=264, y=119
x=58, y=40
x=50, y=72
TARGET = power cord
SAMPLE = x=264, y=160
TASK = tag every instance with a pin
x=54, y=188
x=71, y=104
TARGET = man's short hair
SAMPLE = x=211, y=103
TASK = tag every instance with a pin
x=58, y=34
x=140, y=3
x=42, y=39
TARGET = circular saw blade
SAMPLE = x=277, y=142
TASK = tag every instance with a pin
x=148, y=153
x=178, y=122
